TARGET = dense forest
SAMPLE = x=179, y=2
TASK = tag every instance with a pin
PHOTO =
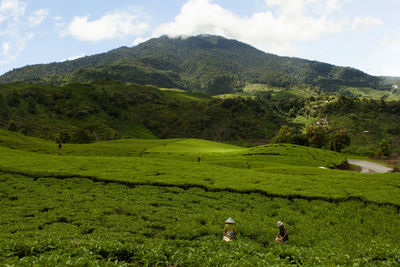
x=209, y=64
x=107, y=109
x=110, y=110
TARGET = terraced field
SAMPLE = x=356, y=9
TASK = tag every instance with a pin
x=150, y=202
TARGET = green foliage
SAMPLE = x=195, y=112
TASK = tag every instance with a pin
x=368, y=121
x=300, y=139
x=62, y=137
x=339, y=140
x=77, y=221
x=287, y=170
x=12, y=126
x=384, y=149
x=149, y=202
x=118, y=110
x=284, y=135
x=107, y=110
x=82, y=136
x=13, y=99
x=31, y=106
x=317, y=136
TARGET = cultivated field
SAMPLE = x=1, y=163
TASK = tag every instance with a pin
x=150, y=202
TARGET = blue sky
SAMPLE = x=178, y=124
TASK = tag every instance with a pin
x=364, y=34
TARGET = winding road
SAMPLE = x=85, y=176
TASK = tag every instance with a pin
x=368, y=167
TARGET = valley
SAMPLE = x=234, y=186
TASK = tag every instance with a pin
x=137, y=156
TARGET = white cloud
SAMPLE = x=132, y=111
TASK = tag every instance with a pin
x=391, y=40
x=58, y=22
x=383, y=70
x=276, y=29
x=6, y=48
x=37, y=17
x=119, y=24
x=365, y=23
x=60, y=25
x=73, y=57
x=15, y=47
x=140, y=40
x=16, y=27
x=11, y=10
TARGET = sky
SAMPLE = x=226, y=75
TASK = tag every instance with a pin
x=363, y=34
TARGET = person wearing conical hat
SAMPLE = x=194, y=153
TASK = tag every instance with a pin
x=230, y=229
x=282, y=236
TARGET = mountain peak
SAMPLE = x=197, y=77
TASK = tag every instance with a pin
x=206, y=63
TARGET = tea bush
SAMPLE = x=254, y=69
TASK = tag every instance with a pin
x=75, y=221
x=150, y=202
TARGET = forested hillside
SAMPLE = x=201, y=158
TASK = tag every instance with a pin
x=204, y=63
x=369, y=121
x=107, y=109
x=110, y=110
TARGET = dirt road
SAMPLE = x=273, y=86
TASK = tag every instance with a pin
x=369, y=167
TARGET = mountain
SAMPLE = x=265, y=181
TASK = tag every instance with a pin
x=204, y=63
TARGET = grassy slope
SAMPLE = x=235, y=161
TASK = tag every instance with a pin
x=75, y=221
x=282, y=170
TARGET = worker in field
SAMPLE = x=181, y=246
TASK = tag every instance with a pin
x=282, y=236
x=229, y=230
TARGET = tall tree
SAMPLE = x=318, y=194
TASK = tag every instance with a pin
x=384, y=149
x=317, y=136
x=339, y=140
x=284, y=135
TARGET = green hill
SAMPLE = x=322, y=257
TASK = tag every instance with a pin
x=106, y=109
x=280, y=169
x=261, y=168
x=204, y=63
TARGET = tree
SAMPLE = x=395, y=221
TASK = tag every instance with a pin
x=284, y=135
x=13, y=99
x=339, y=140
x=12, y=126
x=82, y=136
x=384, y=149
x=62, y=137
x=317, y=136
x=31, y=106
x=300, y=139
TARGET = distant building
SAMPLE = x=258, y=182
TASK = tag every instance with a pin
x=322, y=122
x=394, y=86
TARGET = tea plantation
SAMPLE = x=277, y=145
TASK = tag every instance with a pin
x=150, y=202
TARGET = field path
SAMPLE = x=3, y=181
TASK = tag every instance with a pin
x=368, y=166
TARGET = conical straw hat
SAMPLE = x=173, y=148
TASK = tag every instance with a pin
x=229, y=220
